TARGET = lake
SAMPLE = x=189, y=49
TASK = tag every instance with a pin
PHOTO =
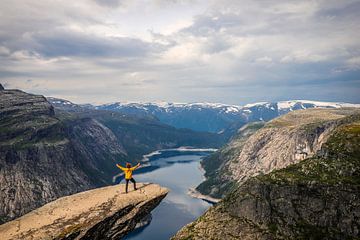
x=178, y=173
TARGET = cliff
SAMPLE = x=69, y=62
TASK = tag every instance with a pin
x=43, y=157
x=316, y=198
x=103, y=213
x=218, y=181
x=47, y=152
x=261, y=149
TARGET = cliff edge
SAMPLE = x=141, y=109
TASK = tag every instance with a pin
x=315, y=198
x=103, y=213
x=261, y=149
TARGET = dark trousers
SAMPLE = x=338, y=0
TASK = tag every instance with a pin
x=127, y=183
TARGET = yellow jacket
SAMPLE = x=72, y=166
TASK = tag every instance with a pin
x=128, y=171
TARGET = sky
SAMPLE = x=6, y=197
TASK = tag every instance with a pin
x=226, y=51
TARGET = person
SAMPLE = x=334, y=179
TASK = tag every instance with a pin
x=128, y=170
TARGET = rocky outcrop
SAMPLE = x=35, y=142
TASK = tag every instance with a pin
x=43, y=157
x=103, y=213
x=317, y=198
x=281, y=142
x=1, y=87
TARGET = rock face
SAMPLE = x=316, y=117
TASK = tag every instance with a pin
x=283, y=141
x=218, y=182
x=47, y=152
x=103, y=213
x=1, y=87
x=43, y=157
x=317, y=198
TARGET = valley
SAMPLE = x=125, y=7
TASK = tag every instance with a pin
x=275, y=165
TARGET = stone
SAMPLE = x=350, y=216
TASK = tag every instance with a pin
x=314, y=198
x=102, y=213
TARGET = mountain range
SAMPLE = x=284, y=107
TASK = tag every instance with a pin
x=219, y=118
x=216, y=117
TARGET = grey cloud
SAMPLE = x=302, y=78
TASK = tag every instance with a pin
x=341, y=9
x=109, y=3
x=75, y=44
x=219, y=53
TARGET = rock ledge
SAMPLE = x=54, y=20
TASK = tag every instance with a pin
x=103, y=213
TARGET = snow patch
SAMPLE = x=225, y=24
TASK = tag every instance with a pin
x=256, y=104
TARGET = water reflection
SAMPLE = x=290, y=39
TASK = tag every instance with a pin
x=178, y=173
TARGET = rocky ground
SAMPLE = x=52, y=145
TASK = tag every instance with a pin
x=103, y=213
x=261, y=149
x=43, y=157
x=316, y=198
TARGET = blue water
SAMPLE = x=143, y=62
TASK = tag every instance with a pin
x=178, y=173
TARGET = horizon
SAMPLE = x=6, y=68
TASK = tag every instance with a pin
x=175, y=103
x=188, y=51
x=209, y=103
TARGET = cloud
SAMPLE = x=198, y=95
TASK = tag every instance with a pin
x=109, y=3
x=183, y=50
x=67, y=43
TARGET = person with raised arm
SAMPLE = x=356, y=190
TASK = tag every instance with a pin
x=128, y=170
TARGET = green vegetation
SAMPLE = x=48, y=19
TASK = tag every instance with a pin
x=338, y=163
x=317, y=198
x=337, y=166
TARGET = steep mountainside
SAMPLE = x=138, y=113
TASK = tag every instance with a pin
x=281, y=142
x=46, y=153
x=217, y=182
x=43, y=158
x=215, y=117
x=317, y=198
x=103, y=213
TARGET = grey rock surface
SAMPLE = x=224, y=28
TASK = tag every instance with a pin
x=103, y=213
x=315, y=198
x=43, y=157
x=281, y=142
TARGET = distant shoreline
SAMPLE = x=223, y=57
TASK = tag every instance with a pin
x=196, y=194
x=146, y=157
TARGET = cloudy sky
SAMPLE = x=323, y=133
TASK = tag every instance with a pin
x=229, y=51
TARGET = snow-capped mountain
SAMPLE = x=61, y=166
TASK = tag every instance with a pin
x=67, y=105
x=210, y=117
x=216, y=117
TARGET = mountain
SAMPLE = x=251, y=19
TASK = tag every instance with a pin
x=102, y=213
x=296, y=178
x=259, y=148
x=218, y=181
x=43, y=157
x=139, y=134
x=216, y=117
x=47, y=152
